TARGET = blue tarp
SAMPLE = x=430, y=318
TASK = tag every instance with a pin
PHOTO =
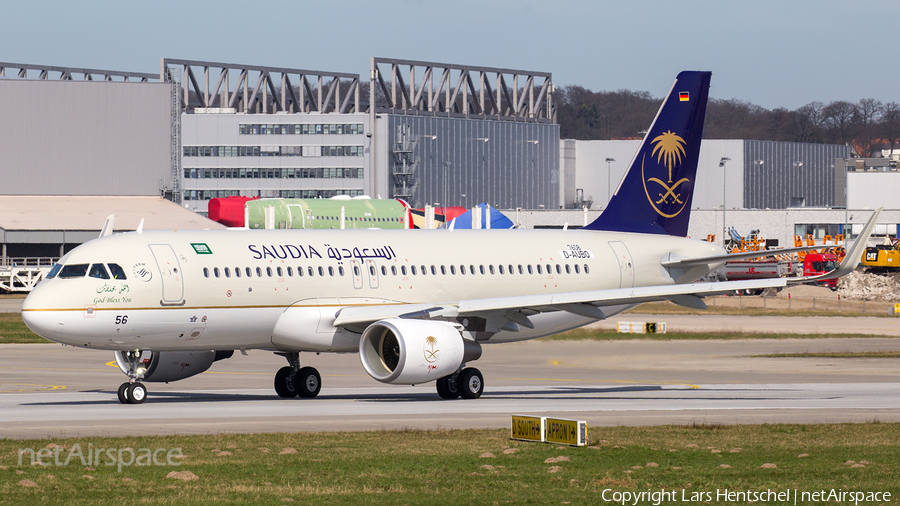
x=498, y=220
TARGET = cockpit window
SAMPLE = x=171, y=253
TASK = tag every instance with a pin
x=53, y=271
x=73, y=271
x=98, y=271
x=116, y=271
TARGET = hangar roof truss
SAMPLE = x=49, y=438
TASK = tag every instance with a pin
x=461, y=91
x=263, y=90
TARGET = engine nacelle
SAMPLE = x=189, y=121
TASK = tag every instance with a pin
x=165, y=366
x=408, y=352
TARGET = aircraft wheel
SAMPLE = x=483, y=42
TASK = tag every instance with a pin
x=123, y=393
x=470, y=383
x=447, y=387
x=136, y=393
x=308, y=382
x=285, y=383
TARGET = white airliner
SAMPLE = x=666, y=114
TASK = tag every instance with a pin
x=416, y=304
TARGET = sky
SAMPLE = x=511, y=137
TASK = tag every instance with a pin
x=782, y=53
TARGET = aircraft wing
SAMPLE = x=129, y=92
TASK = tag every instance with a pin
x=588, y=303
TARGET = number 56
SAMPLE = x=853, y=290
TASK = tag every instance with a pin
x=121, y=320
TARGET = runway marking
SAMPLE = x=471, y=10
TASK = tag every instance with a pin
x=44, y=388
x=52, y=369
x=628, y=382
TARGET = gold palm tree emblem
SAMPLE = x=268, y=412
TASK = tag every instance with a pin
x=671, y=150
x=431, y=354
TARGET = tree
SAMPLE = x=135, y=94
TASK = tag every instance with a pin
x=838, y=116
x=890, y=124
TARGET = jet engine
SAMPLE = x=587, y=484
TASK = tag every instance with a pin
x=165, y=366
x=408, y=352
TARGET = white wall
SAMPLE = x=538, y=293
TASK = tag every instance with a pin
x=868, y=190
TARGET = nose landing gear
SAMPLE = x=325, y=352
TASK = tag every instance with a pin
x=132, y=392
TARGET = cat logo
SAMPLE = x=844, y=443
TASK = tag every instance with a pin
x=431, y=355
x=669, y=151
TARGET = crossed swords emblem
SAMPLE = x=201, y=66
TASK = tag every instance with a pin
x=670, y=190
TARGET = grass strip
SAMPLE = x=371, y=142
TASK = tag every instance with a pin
x=668, y=308
x=611, y=335
x=835, y=354
x=14, y=331
x=463, y=467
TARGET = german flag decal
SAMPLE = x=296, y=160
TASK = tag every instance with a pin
x=684, y=96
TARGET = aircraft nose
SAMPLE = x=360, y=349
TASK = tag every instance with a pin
x=37, y=312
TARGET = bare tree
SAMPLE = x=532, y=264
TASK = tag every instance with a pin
x=890, y=124
x=868, y=112
x=838, y=116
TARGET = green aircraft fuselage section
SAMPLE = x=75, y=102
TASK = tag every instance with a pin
x=326, y=213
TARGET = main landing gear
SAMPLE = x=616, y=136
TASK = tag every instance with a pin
x=467, y=383
x=133, y=392
x=293, y=380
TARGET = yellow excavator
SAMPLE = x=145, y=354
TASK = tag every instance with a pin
x=884, y=257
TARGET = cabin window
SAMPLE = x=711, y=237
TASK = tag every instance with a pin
x=394, y=270
x=568, y=269
x=383, y=270
x=290, y=272
x=538, y=269
x=227, y=272
x=412, y=268
x=520, y=269
x=472, y=269
x=453, y=270
x=372, y=270
x=530, y=271
x=356, y=270
x=433, y=271
x=259, y=272
x=462, y=270
x=310, y=271
x=424, y=271
x=331, y=271
x=116, y=271
x=269, y=271
x=237, y=272
x=98, y=271
x=443, y=270
x=558, y=269
x=500, y=267
x=549, y=269
x=577, y=269
x=249, y=272
x=403, y=270
x=490, y=268
x=587, y=270
x=341, y=270
x=205, y=272
x=321, y=271
x=216, y=271
x=280, y=272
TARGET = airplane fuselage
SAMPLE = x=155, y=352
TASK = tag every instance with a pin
x=281, y=289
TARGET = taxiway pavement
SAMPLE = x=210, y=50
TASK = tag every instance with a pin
x=57, y=391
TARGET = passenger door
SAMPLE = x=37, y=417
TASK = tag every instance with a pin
x=170, y=273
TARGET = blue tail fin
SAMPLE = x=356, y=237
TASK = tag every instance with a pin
x=655, y=196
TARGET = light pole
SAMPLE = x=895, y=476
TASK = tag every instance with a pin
x=609, y=162
x=798, y=166
x=722, y=163
x=446, y=183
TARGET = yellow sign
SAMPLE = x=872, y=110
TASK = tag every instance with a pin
x=529, y=428
x=570, y=432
